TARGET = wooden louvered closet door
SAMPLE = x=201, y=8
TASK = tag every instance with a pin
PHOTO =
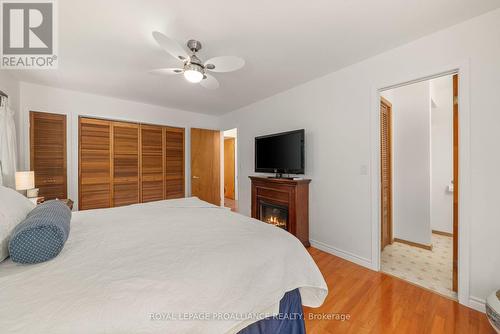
x=153, y=163
x=48, y=154
x=174, y=163
x=386, y=171
x=94, y=164
x=456, y=185
x=123, y=163
x=125, y=148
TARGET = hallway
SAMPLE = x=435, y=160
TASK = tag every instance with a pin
x=431, y=269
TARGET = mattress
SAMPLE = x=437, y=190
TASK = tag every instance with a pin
x=176, y=266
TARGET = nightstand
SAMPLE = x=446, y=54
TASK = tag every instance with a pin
x=37, y=200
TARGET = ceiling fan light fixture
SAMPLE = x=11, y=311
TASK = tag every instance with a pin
x=193, y=73
x=194, y=69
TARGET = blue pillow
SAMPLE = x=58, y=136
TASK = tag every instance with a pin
x=41, y=236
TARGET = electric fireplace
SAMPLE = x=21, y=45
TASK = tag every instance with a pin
x=274, y=214
x=283, y=203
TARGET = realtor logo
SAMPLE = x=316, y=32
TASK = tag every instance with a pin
x=28, y=34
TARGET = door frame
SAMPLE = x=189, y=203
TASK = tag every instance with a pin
x=462, y=68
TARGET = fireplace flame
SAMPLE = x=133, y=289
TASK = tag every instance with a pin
x=276, y=221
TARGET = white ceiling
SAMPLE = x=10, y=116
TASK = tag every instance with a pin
x=106, y=47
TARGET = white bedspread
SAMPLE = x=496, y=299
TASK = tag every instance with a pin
x=170, y=260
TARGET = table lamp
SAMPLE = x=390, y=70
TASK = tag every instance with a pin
x=26, y=181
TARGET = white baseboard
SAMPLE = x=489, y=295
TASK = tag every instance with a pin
x=342, y=254
x=477, y=304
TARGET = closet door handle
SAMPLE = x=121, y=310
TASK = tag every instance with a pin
x=195, y=177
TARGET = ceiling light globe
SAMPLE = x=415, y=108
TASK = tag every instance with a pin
x=193, y=75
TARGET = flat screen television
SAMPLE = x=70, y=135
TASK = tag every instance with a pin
x=280, y=153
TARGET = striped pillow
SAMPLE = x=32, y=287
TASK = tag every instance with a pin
x=41, y=236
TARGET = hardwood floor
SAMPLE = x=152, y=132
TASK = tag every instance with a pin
x=231, y=203
x=379, y=303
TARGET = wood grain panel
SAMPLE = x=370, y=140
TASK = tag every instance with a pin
x=205, y=165
x=94, y=164
x=456, y=185
x=274, y=194
x=174, y=162
x=125, y=163
x=386, y=172
x=229, y=167
x=48, y=154
x=152, y=163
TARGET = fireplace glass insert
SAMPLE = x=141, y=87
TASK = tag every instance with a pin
x=274, y=214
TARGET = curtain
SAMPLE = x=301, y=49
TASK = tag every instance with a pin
x=8, y=145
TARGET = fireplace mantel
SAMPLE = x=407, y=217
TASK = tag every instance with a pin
x=292, y=194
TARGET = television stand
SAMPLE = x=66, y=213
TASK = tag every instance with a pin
x=280, y=176
x=283, y=203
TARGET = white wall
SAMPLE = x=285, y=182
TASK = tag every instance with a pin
x=335, y=111
x=442, y=154
x=75, y=104
x=411, y=162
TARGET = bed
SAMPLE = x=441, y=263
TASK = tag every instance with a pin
x=175, y=266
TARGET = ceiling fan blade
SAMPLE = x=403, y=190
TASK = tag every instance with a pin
x=224, y=64
x=170, y=46
x=209, y=82
x=167, y=71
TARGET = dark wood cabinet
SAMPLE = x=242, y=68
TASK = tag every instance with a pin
x=48, y=154
x=284, y=203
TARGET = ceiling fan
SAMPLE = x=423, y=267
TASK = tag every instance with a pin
x=193, y=68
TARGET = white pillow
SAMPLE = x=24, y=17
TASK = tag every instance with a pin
x=13, y=209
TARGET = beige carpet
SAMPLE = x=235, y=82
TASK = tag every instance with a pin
x=429, y=269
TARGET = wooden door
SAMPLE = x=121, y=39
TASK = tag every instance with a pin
x=125, y=152
x=229, y=167
x=152, y=163
x=386, y=171
x=455, y=182
x=174, y=163
x=48, y=154
x=205, y=165
x=94, y=164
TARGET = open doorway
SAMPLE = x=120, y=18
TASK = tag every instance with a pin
x=419, y=183
x=230, y=169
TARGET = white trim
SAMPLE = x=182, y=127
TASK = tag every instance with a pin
x=463, y=69
x=477, y=304
x=342, y=254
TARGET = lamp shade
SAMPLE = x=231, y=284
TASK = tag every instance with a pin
x=25, y=180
